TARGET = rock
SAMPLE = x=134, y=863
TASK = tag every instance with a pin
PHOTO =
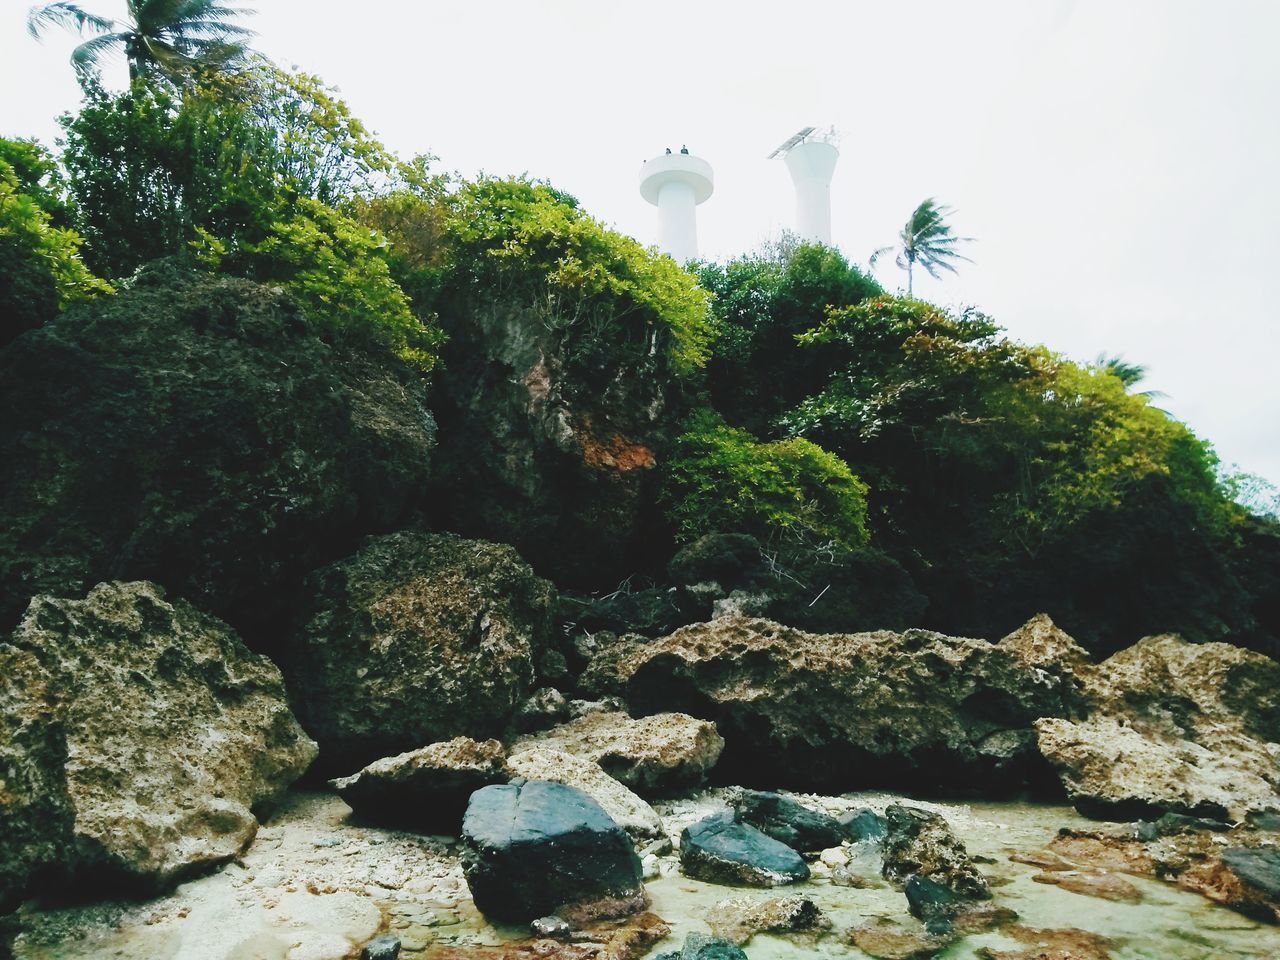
x=1063, y=944
x=920, y=843
x=544, y=709
x=1265, y=820
x=145, y=731
x=553, y=927
x=931, y=903
x=844, y=710
x=626, y=809
x=196, y=431
x=863, y=825
x=381, y=948
x=740, y=919
x=698, y=946
x=1041, y=644
x=652, y=755
x=726, y=559
x=650, y=612
x=543, y=447
x=1105, y=886
x=1258, y=872
x=533, y=848
x=416, y=638
x=425, y=789
x=787, y=821
x=886, y=940
x=717, y=849
x=1181, y=727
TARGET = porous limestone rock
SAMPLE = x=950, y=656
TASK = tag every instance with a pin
x=425, y=789
x=416, y=638
x=629, y=811
x=920, y=843
x=841, y=710
x=653, y=754
x=174, y=733
x=741, y=918
x=1181, y=727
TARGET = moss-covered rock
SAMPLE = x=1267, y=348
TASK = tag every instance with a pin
x=195, y=431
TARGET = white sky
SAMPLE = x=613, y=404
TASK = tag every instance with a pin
x=1116, y=159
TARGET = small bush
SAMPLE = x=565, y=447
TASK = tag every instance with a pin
x=722, y=479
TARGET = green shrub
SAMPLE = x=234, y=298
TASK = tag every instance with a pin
x=527, y=242
x=40, y=266
x=720, y=479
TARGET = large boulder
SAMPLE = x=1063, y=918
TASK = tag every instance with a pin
x=546, y=449
x=533, y=848
x=718, y=849
x=425, y=789
x=653, y=754
x=416, y=638
x=1180, y=727
x=146, y=733
x=195, y=431
x=844, y=710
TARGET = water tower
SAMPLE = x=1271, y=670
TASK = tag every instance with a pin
x=811, y=157
x=676, y=183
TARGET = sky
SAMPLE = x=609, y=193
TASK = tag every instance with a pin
x=1116, y=160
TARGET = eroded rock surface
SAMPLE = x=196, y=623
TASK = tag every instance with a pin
x=920, y=843
x=739, y=919
x=1188, y=728
x=416, y=638
x=174, y=732
x=651, y=755
x=845, y=709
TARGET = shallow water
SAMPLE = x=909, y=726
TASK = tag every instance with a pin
x=316, y=885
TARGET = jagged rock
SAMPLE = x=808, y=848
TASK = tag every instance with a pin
x=425, y=789
x=195, y=431
x=718, y=849
x=1188, y=728
x=863, y=825
x=542, y=448
x=920, y=843
x=842, y=710
x=544, y=709
x=416, y=638
x=787, y=821
x=145, y=731
x=627, y=810
x=533, y=848
x=740, y=919
x=654, y=754
x=386, y=947
x=698, y=946
x=931, y=903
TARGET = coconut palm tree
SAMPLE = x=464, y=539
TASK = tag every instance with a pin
x=926, y=240
x=169, y=38
x=1130, y=374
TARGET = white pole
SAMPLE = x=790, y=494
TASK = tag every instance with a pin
x=678, y=221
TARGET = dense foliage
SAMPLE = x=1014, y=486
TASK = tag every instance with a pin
x=786, y=491
x=40, y=266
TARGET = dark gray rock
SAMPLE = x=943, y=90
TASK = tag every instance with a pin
x=1265, y=820
x=720, y=850
x=1257, y=866
x=932, y=903
x=383, y=948
x=863, y=825
x=787, y=821
x=699, y=946
x=532, y=848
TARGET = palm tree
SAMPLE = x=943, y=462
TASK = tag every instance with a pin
x=926, y=240
x=170, y=38
x=1130, y=374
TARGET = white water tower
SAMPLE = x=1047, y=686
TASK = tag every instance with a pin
x=676, y=183
x=811, y=157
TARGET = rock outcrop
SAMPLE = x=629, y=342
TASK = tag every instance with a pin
x=425, y=789
x=843, y=710
x=416, y=638
x=533, y=848
x=651, y=755
x=195, y=431
x=1176, y=726
x=146, y=733
x=542, y=448
x=718, y=849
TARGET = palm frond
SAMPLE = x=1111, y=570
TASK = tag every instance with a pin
x=67, y=15
x=86, y=56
